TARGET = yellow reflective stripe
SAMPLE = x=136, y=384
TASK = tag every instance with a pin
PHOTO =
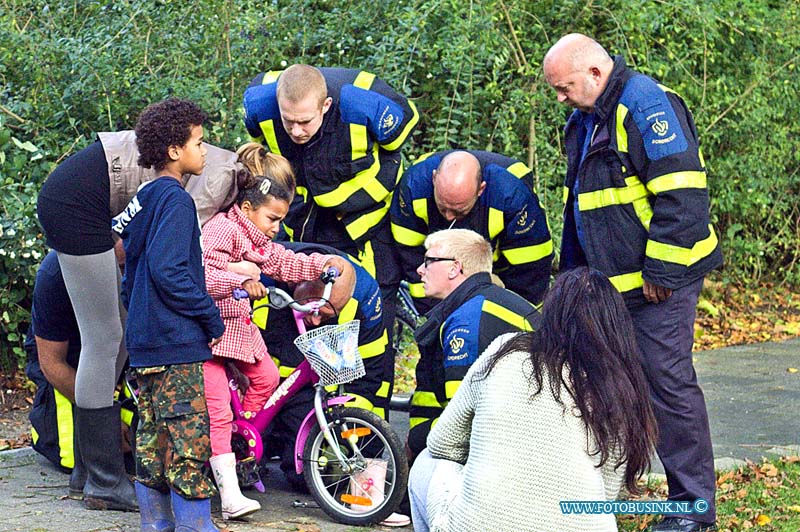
x=64, y=426
x=420, y=207
x=365, y=180
x=364, y=80
x=506, y=315
x=702, y=159
x=407, y=237
x=450, y=388
x=396, y=143
x=423, y=157
x=627, y=281
x=349, y=311
x=289, y=232
x=612, y=196
x=268, y=128
x=680, y=255
x=34, y=435
x=285, y=371
x=366, y=258
x=528, y=253
x=380, y=412
x=364, y=223
x=622, y=135
x=518, y=169
x=496, y=223
x=414, y=421
x=425, y=399
x=276, y=360
x=375, y=347
x=261, y=315
x=303, y=191
x=676, y=180
x=126, y=416
x=359, y=401
x=270, y=77
x=259, y=139
x=383, y=391
x=417, y=290
x=565, y=195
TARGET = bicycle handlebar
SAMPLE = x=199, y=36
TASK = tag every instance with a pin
x=280, y=299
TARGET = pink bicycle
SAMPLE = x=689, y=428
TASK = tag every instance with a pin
x=352, y=461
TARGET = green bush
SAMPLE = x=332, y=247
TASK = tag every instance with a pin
x=71, y=69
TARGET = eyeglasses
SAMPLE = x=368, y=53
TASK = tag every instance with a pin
x=428, y=260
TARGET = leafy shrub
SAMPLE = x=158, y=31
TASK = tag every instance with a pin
x=71, y=69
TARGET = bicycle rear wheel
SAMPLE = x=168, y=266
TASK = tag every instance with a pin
x=379, y=476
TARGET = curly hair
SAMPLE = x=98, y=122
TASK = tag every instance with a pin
x=164, y=124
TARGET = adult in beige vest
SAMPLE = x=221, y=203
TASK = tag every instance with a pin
x=75, y=209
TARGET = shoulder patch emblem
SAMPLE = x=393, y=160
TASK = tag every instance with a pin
x=660, y=127
x=456, y=344
x=388, y=121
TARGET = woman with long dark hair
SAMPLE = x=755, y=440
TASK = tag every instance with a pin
x=560, y=414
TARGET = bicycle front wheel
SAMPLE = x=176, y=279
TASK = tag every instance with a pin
x=377, y=464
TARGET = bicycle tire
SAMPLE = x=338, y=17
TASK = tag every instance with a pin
x=327, y=482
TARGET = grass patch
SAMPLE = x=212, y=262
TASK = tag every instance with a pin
x=761, y=496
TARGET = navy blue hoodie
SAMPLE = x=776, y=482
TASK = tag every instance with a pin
x=171, y=317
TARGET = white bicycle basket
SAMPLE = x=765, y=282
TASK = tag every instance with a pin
x=332, y=351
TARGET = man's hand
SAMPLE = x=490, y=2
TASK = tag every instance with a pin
x=254, y=289
x=655, y=293
x=214, y=341
x=247, y=268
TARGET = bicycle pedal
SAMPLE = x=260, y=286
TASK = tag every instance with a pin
x=247, y=472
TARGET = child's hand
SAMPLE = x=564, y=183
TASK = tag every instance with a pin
x=254, y=289
x=214, y=341
x=247, y=268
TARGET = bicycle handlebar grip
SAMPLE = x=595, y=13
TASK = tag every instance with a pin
x=240, y=293
x=330, y=274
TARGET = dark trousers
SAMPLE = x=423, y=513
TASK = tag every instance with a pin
x=665, y=333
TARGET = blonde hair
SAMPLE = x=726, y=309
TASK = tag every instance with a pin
x=300, y=81
x=468, y=247
x=260, y=162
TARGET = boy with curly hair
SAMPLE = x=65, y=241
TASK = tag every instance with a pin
x=172, y=322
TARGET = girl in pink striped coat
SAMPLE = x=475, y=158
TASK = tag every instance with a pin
x=235, y=241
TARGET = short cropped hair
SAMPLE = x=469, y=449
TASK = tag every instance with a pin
x=164, y=124
x=299, y=81
x=468, y=247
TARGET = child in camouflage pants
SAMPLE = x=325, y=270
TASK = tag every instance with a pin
x=172, y=322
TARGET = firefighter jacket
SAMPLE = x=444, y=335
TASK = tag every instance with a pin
x=346, y=173
x=457, y=331
x=371, y=392
x=642, y=199
x=508, y=214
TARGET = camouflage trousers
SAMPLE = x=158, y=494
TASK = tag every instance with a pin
x=173, y=442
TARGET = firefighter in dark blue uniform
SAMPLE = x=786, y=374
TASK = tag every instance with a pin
x=472, y=312
x=342, y=130
x=372, y=391
x=637, y=210
x=488, y=193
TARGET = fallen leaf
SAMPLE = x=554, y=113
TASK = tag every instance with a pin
x=794, y=508
x=791, y=370
x=741, y=494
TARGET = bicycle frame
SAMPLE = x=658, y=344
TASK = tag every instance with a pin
x=250, y=429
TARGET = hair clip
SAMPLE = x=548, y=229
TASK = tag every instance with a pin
x=265, y=185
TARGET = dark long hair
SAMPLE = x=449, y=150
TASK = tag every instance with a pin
x=587, y=329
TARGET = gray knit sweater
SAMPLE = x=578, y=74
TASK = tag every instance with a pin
x=513, y=458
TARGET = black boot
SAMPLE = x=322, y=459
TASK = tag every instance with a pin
x=77, y=479
x=107, y=485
